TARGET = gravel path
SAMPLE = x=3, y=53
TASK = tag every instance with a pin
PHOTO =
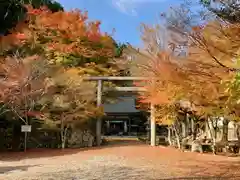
x=125, y=162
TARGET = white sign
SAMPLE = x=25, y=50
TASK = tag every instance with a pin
x=26, y=128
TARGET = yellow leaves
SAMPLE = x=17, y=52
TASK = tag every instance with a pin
x=233, y=117
x=165, y=114
x=61, y=101
x=72, y=72
x=94, y=69
x=196, y=78
x=157, y=98
x=68, y=77
x=107, y=40
x=72, y=96
x=220, y=42
x=213, y=51
x=166, y=120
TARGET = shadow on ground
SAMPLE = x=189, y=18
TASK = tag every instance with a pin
x=45, y=152
x=6, y=169
x=210, y=170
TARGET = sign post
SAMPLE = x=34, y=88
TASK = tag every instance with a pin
x=26, y=129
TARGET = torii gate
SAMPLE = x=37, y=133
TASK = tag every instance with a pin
x=100, y=80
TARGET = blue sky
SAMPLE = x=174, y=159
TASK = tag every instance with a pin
x=123, y=15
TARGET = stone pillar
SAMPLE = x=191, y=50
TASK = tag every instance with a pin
x=125, y=127
x=108, y=125
x=129, y=126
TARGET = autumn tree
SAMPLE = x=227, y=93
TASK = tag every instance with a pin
x=70, y=102
x=72, y=47
x=13, y=11
x=22, y=84
x=210, y=38
x=80, y=45
x=177, y=80
x=183, y=78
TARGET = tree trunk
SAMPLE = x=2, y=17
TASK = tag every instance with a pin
x=177, y=137
x=225, y=133
x=195, y=132
x=212, y=136
x=238, y=136
x=169, y=136
x=188, y=126
x=194, y=129
x=63, y=144
x=183, y=126
x=63, y=133
x=64, y=137
x=215, y=128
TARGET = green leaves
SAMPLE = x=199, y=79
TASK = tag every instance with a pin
x=206, y=3
x=53, y=5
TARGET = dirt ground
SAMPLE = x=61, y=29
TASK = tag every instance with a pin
x=118, y=161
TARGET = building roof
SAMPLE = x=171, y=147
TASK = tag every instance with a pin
x=124, y=105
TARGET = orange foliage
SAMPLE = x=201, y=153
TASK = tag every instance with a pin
x=51, y=36
x=20, y=83
x=16, y=37
x=64, y=32
x=69, y=32
x=196, y=79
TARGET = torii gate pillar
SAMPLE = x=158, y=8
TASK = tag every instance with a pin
x=153, y=125
x=99, y=120
x=99, y=103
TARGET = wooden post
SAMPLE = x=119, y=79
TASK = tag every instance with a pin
x=25, y=128
x=25, y=141
x=99, y=121
x=153, y=125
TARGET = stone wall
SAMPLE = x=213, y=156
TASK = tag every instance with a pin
x=81, y=138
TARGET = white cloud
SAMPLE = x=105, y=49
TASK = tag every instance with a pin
x=130, y=6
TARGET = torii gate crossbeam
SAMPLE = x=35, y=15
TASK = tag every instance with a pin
x=100, y=80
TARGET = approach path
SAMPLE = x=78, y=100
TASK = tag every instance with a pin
x=124, y=161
